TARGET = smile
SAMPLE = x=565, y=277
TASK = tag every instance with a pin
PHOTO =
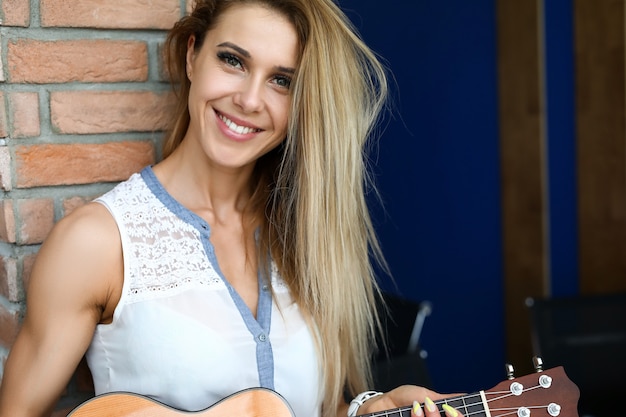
x=241, y=130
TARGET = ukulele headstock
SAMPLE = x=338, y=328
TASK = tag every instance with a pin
x=545, y=393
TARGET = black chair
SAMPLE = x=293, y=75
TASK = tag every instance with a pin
x=587, y=335
x=400, y=359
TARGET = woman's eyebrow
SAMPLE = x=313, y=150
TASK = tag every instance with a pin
x=239, y=49
x=286, y=70
x=246, y=54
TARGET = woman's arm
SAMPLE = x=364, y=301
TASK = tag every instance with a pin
x=75, y=284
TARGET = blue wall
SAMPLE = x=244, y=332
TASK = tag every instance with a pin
x=438, y=172
x=560, y=102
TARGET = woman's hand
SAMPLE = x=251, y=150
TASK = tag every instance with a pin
x=421, y=398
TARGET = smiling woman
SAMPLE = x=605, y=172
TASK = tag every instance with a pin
x=239, y=101
x=243, y=258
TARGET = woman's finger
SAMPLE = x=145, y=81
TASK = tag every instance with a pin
x=417, y=411
x=430, y=410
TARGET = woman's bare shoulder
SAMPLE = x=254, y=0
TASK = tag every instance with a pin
x=82, y=253
x=91, y=220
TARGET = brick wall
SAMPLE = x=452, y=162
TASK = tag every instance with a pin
x=83, y=102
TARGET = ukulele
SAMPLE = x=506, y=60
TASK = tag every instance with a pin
x=547, y=393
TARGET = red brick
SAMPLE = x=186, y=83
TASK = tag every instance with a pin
x=15, y=12
x=25, y=114
x=42, y=165
x=7, y=221
x=10, y=284
x=5, y=169
x=85, y=112
x=8, y=275
x=4, y=126
x=162, y=71
x=27, y=267
x=71, y=204
x=35, y=61
x=113, y=14
x=10, y=322
x=1, y=67
x=36, y=218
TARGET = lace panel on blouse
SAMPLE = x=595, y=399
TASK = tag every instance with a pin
x=167, y=255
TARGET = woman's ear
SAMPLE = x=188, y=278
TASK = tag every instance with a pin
x=191, y=53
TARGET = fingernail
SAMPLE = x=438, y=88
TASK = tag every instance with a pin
x=417, y=409
x=430, y=405
x=450, y=412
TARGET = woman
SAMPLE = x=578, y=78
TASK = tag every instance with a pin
x=240, y=260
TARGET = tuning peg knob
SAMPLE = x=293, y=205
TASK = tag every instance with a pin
x=554, y=409
x=509, y=371
x=538, y=364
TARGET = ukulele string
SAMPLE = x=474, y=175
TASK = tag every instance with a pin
x=505, y=394
x=510, y=410
x=500, y=395
x=481, y=413
x=400, y=411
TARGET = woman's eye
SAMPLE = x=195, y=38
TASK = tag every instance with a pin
x=230, y=59
x=282, y=81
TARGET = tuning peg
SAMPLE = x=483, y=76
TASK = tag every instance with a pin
x=538, y=364
x=509, y=371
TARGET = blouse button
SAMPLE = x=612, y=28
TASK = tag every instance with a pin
x=262, y=337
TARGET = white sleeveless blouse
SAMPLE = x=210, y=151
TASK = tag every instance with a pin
x=180, y=333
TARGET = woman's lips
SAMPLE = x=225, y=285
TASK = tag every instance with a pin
x=237, y=127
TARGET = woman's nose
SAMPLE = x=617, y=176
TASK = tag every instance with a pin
x=250, y=96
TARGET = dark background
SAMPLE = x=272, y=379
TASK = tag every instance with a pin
x=438, y=170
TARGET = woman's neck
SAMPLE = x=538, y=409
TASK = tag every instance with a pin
x=213, y=192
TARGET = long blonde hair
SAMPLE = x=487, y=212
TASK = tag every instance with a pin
x=308, y=195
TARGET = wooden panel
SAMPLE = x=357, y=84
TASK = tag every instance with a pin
x=523, y=168
x=601, y=132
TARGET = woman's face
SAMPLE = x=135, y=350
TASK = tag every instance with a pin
x=239, y=99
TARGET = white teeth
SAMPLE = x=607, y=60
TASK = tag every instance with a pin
x=242, y=130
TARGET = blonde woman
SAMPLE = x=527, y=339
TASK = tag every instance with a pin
x=242, y=259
